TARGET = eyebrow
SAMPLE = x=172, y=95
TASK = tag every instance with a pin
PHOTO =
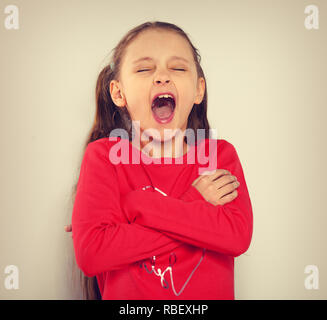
x=170, y=58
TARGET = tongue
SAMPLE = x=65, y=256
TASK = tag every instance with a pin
x=163, y=112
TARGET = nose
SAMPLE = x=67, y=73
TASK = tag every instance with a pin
x=161, y=77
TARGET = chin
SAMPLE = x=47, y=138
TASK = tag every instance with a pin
x=163, y=132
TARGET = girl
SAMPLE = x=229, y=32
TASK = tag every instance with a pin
x=159, y=227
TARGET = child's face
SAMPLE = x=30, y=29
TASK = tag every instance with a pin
x=135, y=90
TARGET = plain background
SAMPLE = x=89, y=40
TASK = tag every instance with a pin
x=266, y=78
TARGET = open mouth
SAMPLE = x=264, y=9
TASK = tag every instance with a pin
x=163, y=107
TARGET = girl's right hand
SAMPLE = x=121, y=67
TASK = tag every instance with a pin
x=217, y=188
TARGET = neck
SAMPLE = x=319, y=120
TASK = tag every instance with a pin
x=173, y=148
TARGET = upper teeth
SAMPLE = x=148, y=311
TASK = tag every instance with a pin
x=165, y=96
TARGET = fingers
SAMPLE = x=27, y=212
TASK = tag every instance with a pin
x=68, y=228
x=227, y=180
x=228, y=189
x=216, y=185
x=211, y=175
x=218, y=173
x=229, y=197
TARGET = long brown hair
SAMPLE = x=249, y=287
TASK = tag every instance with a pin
x=108, y=116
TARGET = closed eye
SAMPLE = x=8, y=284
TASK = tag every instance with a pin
x=149, y=69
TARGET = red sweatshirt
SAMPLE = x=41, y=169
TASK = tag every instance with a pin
x=146, y=233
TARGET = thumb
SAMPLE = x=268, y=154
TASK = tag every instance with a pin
x=196, y=180
x=203, y=174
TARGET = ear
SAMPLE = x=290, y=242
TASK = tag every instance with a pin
x=116, y=93
x=200, y=90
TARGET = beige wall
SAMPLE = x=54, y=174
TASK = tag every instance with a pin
x=266, y=78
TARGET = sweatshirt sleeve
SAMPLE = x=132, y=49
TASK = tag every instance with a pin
x=102, y=237
x=224, y=228
x=191, y=194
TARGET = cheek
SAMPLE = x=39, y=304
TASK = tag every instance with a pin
x=138, y=95
x=188, y=98
x=138, y=111
x=187, y=88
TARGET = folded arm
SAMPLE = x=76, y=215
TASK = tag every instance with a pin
x=103, y=239
x=223, y=228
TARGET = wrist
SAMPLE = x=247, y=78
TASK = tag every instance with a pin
x=192, y=194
